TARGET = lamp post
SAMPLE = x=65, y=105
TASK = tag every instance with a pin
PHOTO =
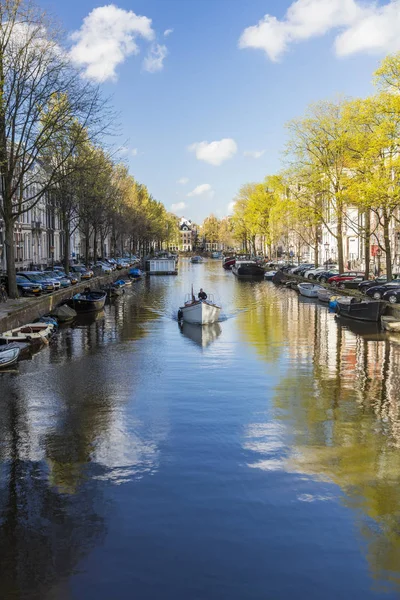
x=379, y=254
x=52, y=257
x=326, y=246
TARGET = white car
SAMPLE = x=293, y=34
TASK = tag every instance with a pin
x=312, y=273
x=106, y=269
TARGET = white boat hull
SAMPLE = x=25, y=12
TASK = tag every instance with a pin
x=390, y=324
x=308, y=290
x=201, y=313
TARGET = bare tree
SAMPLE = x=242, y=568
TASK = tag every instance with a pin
x=41, y=96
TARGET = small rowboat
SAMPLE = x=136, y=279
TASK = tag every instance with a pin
x=8, y=356
x=88, y=301
x=390, y=323
x=324, y=295
x=196, y=260
x=33, y=333
x=269, y=275
x=309, y=290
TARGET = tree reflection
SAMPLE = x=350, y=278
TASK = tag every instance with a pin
x=43, y=534
x=341, y=399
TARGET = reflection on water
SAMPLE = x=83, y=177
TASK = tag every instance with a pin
x=265, y=466
x=202, y=336
x=339, y=398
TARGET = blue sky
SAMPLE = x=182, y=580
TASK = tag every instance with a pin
x=208, y=89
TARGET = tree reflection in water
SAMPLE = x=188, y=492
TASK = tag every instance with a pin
x=339, y=398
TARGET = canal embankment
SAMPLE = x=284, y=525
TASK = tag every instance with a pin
x=15, y=313
x=390, y=309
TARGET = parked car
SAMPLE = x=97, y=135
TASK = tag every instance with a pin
x=35, y=277
x=25, y=287
x=313, y=273
x=325, y=275
x=105, y=269
x=302, y=268
x=392, y=295
x=369, y=283
x=336, y=279
x=350, y=284
x=62, y=278
x=378, y=291
x=85, y=273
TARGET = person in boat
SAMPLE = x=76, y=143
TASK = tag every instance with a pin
x=202, y=295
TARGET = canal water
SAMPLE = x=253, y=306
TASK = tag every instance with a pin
x=258, y=459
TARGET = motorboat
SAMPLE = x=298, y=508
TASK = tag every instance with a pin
x=196, y=260
x=201, y=336
x=199, y=312
x=309, y=290
x=228, y=263
x=8, y=356
x=324, y=295
x=33, y=333
x=361, y=310
x=247, y=269
x=269, y=275
x=87, y=301
x=390, y=323
x=216, y=255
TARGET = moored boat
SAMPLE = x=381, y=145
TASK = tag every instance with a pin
x=8, y=356
x=324, y=295
x=269, y=275
x=88, y=301
x=390, y=323
x=228, y=263
x=309, y=290
x=63, y=313
x=33, y=333
x=361, y=310
x=247, y=269
x=196, y=260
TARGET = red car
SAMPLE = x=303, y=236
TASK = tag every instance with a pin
x=336, y=279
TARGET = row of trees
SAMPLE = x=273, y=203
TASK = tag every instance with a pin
x=52, y=127
x=341, y=155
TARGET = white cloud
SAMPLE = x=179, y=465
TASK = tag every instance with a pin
x=154, y=60
x=178, y=206
x=204, y=190
x=183, y=181
x=214, y=153
x=254, y=153
x=231, y=207
x=134, y=151
x=365, y=26
x=168, y=32
x=106, y=38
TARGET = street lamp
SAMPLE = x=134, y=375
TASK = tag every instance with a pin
x=379, y=254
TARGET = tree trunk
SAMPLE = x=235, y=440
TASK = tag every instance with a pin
x=67, y=242
x=367, y=241
x=10, y=256
x=339, y=238
x=388, y=249
x=87, y=241
x=316, y=250
x=94, y=244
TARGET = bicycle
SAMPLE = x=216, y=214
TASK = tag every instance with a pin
x=3, y=293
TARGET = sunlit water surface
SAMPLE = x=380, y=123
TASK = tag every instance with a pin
x=258, y=459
